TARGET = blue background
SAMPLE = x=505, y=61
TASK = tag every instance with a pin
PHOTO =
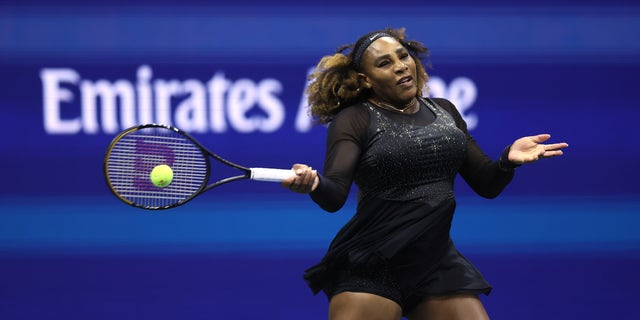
x=561, y=242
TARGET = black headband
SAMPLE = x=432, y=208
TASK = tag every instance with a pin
x=363, y=44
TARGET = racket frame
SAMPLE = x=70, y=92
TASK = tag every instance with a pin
x=246, y=172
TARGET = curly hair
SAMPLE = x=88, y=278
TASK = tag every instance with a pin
x=334, y=83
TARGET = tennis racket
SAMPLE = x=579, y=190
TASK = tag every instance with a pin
x=134, y=153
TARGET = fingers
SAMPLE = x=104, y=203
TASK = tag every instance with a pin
x=530, y=149
x=540, y=138
x=551, y=154
x=303, y=181
x=553, y=150
x=556, y=146
x=530, y=143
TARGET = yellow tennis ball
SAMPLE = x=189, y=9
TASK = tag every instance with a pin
x=161, y=176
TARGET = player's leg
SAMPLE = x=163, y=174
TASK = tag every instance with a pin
x=363, y=306
x=455, y=307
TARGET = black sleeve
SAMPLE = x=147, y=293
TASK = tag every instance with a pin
x=485, y=176
x=346, y=137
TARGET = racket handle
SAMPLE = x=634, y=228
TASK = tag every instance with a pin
x=268, y=174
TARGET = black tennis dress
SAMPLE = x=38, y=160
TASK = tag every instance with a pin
x=397, y=244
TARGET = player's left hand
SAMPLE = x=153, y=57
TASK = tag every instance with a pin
x=530, y=149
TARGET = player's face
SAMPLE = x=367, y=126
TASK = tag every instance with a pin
x=389, y=70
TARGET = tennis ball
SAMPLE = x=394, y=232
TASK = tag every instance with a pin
x=161, y=176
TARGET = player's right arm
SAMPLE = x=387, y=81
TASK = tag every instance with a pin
x=346, y=137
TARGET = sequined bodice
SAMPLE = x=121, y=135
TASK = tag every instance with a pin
x=406, y=162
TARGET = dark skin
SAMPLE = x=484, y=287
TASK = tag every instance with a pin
x=390, y=73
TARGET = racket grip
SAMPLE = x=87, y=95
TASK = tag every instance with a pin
x=268, y=174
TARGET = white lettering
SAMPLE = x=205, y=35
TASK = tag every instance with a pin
x=217, y=105
x=191, y=114
x=164, y=90
x=217, y=87
x=108, y=95
x=53, y=95
x=304, y=122
x=275, y=110
x=462, y=92
x=145, y=113
x=241, y=98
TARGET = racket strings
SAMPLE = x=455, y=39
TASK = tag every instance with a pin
x=134, y=155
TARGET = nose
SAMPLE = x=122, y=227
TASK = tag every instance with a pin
x=401, y=67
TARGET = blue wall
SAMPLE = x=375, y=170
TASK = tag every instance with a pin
x=560, y=243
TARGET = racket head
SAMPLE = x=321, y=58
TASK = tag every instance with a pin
x=134, y=153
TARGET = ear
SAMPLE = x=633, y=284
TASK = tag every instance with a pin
x=364, y=81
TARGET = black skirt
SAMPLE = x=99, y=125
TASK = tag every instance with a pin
x=399, y=250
